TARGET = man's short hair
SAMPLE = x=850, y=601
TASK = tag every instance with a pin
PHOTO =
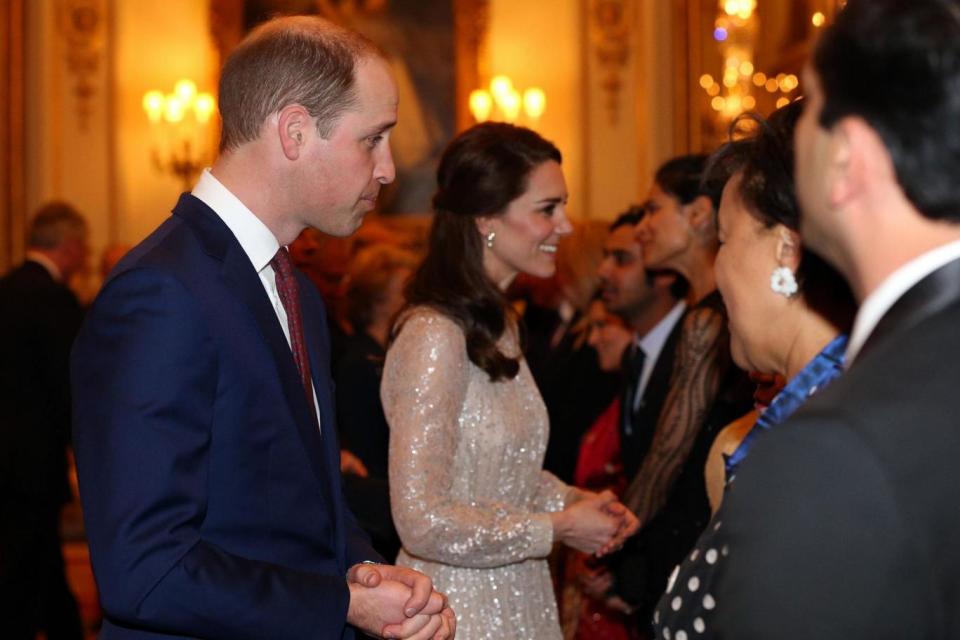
x=303, y=60
x=631, y=216
x=53, y=223
x=896, y=64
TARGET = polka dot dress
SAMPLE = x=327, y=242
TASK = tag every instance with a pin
x=687, y=607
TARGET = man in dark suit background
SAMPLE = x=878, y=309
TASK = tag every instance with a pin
x=205, y=431
x=651, y=305
x=39, y=318
x=844, y=521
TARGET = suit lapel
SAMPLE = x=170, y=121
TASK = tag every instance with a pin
x=928, y=297
x=245, y=283
x=315, y=334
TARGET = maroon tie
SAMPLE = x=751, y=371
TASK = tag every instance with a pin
x=290, y=298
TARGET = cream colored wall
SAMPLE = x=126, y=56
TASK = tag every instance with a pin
x=157, y=44
x=540, y=42
x=611, y=135
x=550, y=43
x=656, y=114
x=106, y=171
x=64, y=161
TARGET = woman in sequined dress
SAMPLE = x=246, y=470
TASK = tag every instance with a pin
x=468, y=429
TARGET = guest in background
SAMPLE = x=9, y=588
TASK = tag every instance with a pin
x=574, y=388
x=651, y=306
x=788, y=311
x=706, y=391
x=648, y=303
x=599, y=468
x=324, y=259
x=39, y=318
x=373, y=296
x=109, y=258
x=468, y=428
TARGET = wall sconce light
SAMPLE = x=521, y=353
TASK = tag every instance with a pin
x=504, y=102
x=180, y=123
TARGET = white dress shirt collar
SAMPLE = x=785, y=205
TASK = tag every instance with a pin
x=876, y=305
x=46, y=263
x=257, y=241
x=653, y=342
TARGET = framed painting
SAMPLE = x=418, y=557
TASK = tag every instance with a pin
x=432, y=47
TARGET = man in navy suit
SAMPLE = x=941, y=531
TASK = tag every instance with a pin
x=843, y=522
x=204, y=424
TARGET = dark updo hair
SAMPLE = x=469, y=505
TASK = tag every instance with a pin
x=685, y=179
x=482, y=171
x=764, y=159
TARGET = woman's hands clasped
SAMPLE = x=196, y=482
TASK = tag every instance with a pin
x=596, y=523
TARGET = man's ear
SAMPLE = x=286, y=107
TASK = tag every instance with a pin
x=789, y=248
x=858, y=160
x=701, y=216
x=293, y=125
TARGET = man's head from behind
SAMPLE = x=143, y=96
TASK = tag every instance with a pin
x=309, y=106
x=886, y=73
x=59, y=232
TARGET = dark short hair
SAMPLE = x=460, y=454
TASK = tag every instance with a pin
x=764, y=160
x=896, y=64
x=683, y=178
x=302, y=60
x=482, y=171
x=53, y=223
x=631, y=217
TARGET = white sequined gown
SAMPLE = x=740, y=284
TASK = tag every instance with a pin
x=468, y=494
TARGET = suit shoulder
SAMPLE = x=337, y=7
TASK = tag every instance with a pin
x=171, y=247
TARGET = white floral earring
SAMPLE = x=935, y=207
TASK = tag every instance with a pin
x=490, y=238
x=784, y=282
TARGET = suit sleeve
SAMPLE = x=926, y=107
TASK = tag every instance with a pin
x=144, y=374
x=819, y=546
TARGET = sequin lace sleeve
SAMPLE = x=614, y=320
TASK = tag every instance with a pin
x=446, y=504
x=552, y=493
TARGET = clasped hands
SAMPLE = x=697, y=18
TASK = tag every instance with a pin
x=395, y=602
x=596, y=523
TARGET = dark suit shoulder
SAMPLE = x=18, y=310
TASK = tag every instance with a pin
x=816, y=544
x=853, y=503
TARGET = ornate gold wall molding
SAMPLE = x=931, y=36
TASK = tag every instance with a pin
x=471, y=23
x=610, y=26
x=82, y=24
x=12, y=149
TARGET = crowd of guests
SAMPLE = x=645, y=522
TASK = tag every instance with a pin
x=675, y=425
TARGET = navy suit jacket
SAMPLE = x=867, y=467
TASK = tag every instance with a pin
x=212, y=503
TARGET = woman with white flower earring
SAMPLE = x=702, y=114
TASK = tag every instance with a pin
x=706, y=391
x=788, y=311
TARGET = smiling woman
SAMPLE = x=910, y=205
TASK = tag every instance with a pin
x=468, y=428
